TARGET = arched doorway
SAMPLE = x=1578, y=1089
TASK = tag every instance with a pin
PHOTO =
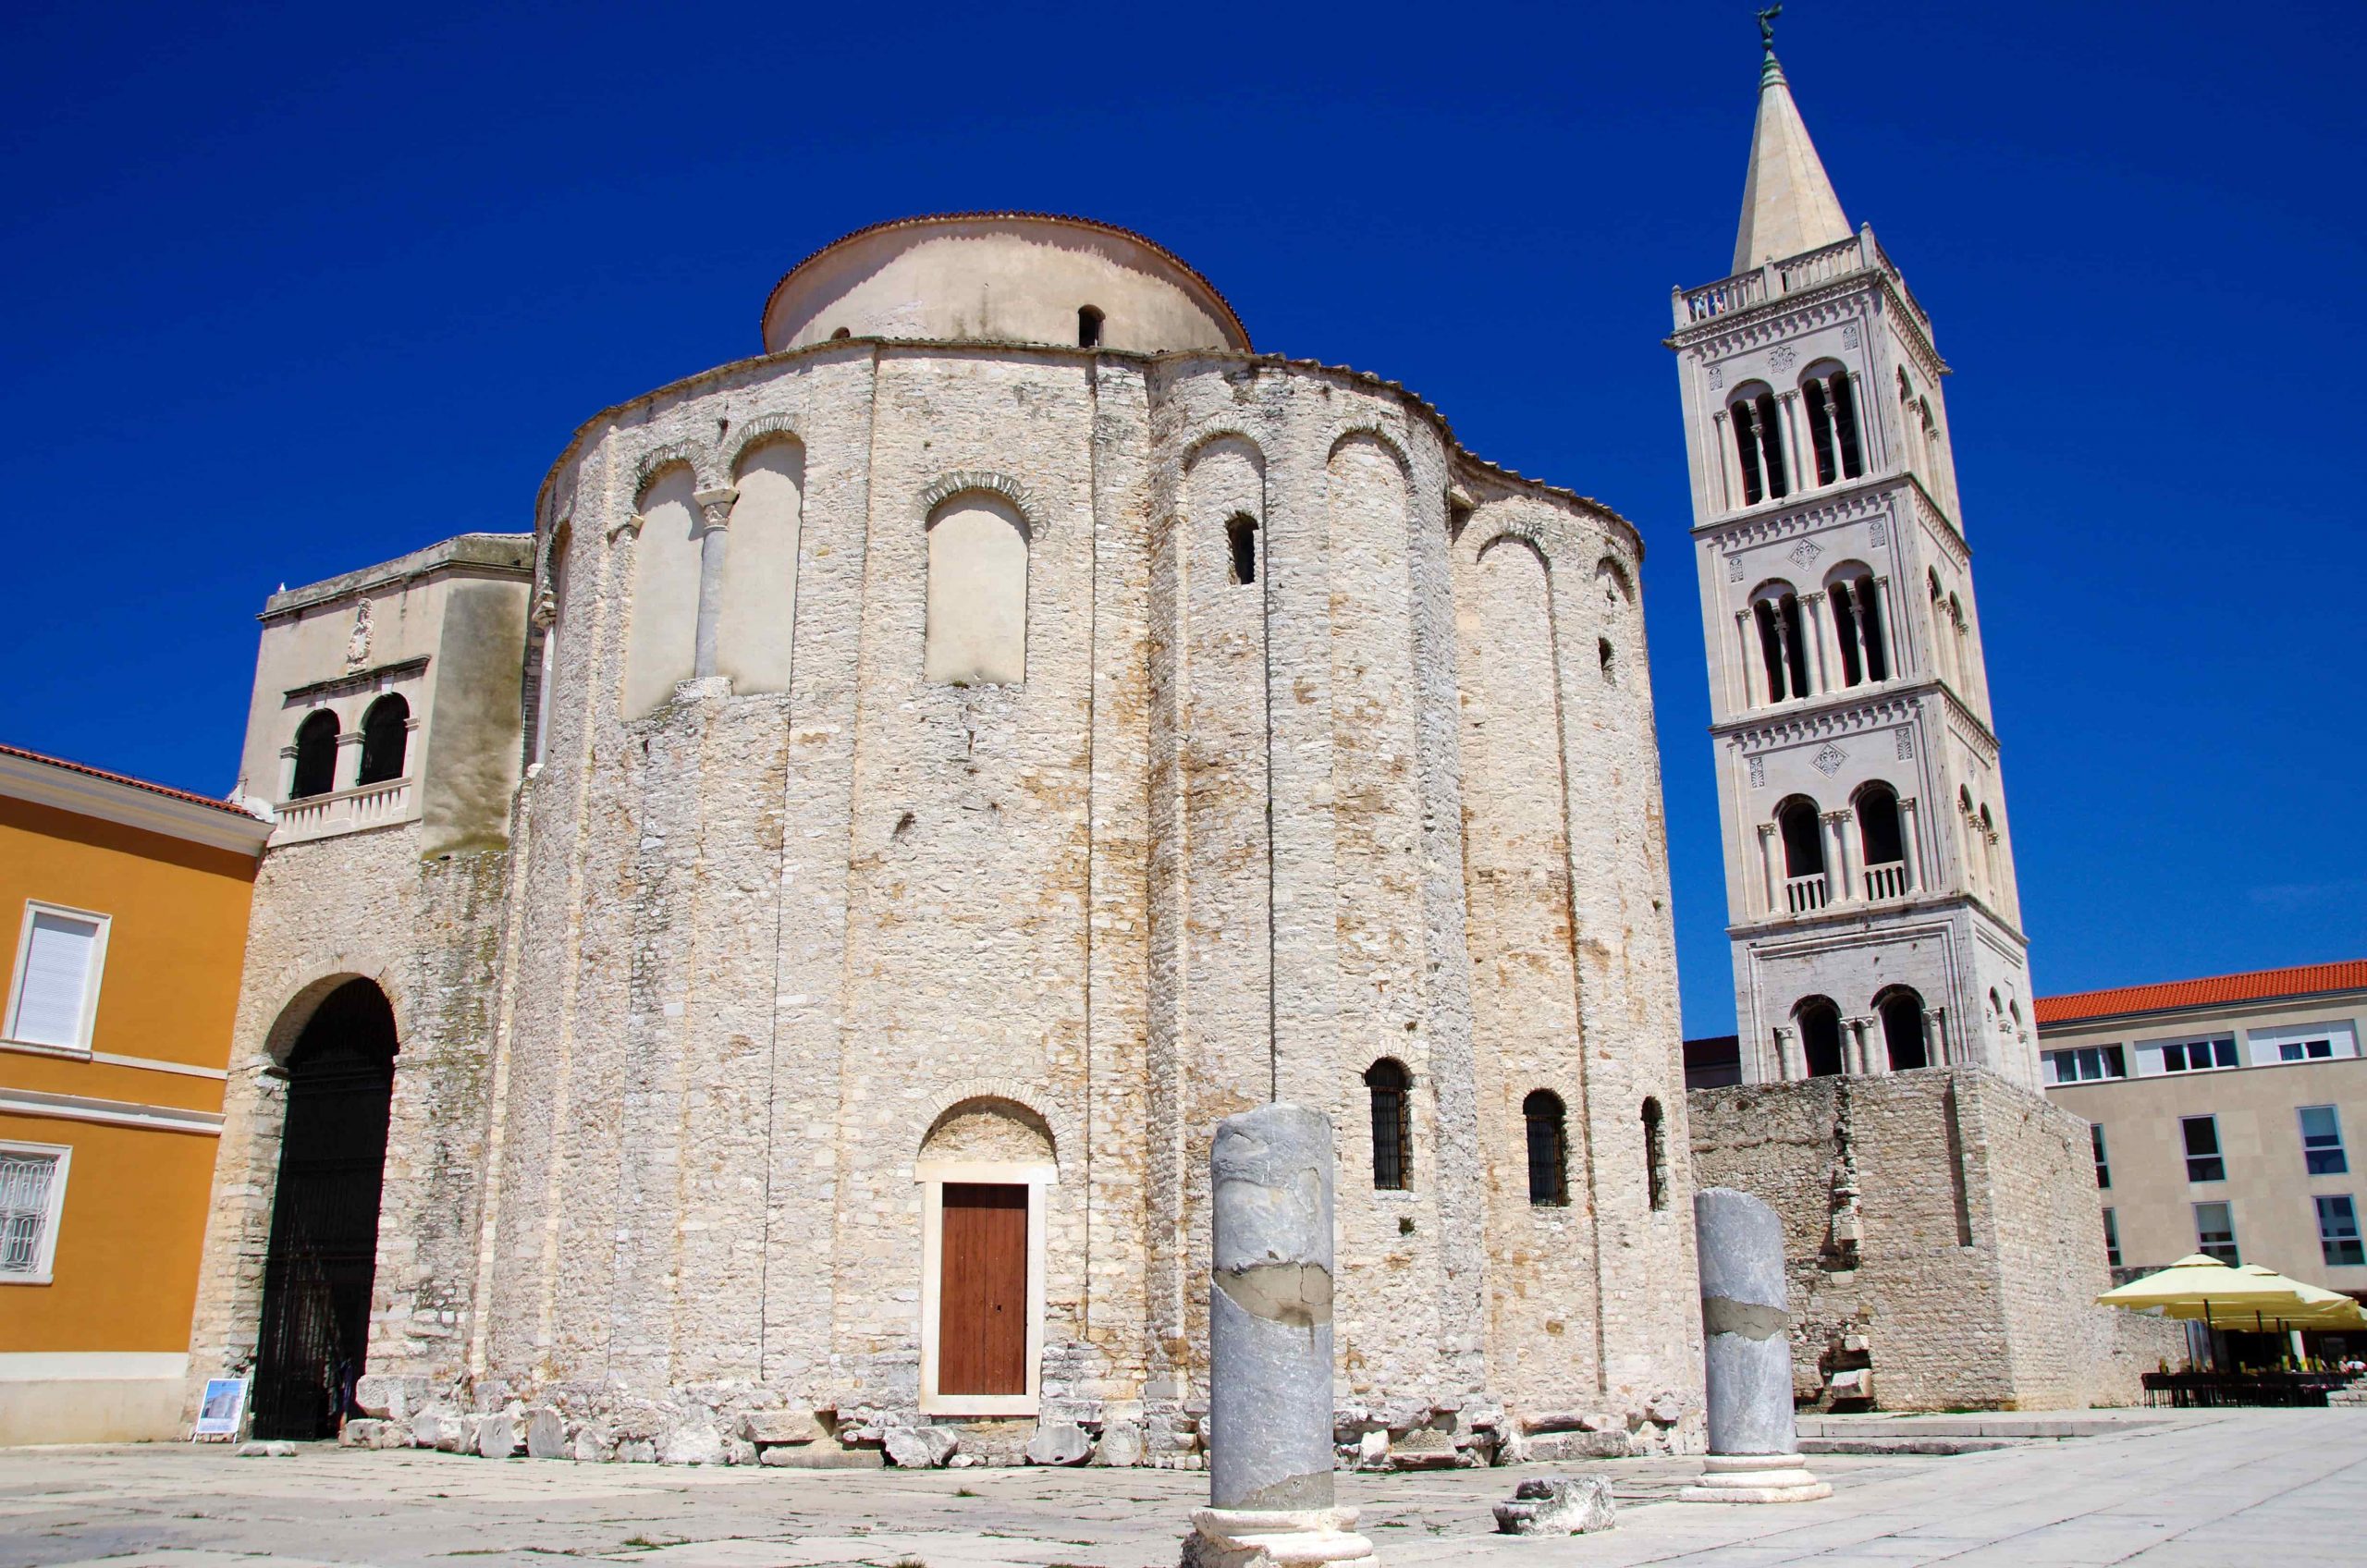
x=318, y=1274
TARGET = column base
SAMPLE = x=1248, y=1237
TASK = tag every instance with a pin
x=1276, y=1537
x=1754, y=1477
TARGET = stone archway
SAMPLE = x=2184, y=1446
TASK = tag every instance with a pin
x=322, y=1263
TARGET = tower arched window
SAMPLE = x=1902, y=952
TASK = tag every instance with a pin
x=1088, y=327
x=1549, y=1181
x=1956, y=643
x=315, y=756
x=1805, y=888
x=386, y=733
x=1988, y=848
x=1783, y=643
x=1858, y=627
x=1390, y=1087
x=1655, y=1152
x=1759, y=444
x=1901, y=1011
x=1880, y=836
x=1833, y=425
x=1820, y=1024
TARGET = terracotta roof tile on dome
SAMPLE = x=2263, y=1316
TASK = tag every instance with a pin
x=165, y=790
x=2258, y=985
x=1145, y=240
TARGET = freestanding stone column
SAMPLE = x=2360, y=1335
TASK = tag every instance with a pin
x=1270, y=1350
x=1754, y=1448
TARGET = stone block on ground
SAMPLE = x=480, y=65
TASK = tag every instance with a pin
x=919, y=1448
x=545, y=1434
x=496, y=1437
x=692, y=1444
x=1120, y=1446
x=820, y=1456
x=1372, y=1451
x=274, y=1449
x=764, y=1427
x=1059, y=1443
x=381, y=1395
x=360, y=1432
x=1558, y=1505
x=1567, y=1448
x=640, y=1450
x=1424, y=1448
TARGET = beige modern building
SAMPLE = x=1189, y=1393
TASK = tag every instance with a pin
x=2226, y=1114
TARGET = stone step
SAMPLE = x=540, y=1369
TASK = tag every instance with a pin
x=1906, y=1445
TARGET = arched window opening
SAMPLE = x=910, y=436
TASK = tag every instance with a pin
x=1655, y=1152
x=1866, y=602
x=1988, y=848
x=543, y=664
x=1758, y=443
x=1844, y=631
x=386, y=731
x=977, y=593
x=1392, y=1125
x=1603, y=655
x=1549, y=1182
x=315, y=757
x=1804, y=881
x=842, y=332
x=1956, y=643
x=1088, y=327
x=1901, y=1011
x=1240, y=541
x=1819, y=1026
x=1882, y=839
x=1832, y=426
x=1783, y=643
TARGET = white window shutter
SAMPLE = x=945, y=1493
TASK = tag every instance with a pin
x=55, y=987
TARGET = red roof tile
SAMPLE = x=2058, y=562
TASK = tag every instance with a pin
x=2259, y=984
x=165, y=790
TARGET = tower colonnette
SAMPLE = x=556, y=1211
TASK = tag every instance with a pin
x=1871, y=894
x=961, y=757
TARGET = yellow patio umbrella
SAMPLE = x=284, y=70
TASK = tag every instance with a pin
x=2320, y=1309
x=2204, y=1288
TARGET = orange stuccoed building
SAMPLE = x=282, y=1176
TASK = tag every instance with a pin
x=123, y=906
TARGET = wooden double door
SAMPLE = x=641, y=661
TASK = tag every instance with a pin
x=982, y=1290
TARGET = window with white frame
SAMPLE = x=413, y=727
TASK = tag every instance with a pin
x=2112, y=1240
x=2312, y=1042
x=2338, y=1232
x=2215, y=1232
x=2084, y=1064
x=2322, y=1148
x=2204, y=1160
x=55, y=995
x=2187, y=1056
x=32, y=1193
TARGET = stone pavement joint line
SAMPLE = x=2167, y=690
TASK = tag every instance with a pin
x=2203, y=1490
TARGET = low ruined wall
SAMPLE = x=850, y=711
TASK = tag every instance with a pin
x=1941, y=1239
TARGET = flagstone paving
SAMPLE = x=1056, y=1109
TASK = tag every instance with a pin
x=2215, y=1487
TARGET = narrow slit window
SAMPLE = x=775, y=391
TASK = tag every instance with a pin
x=1241, y=542
x=1655, y=1152
x=1548, y=1148
x=1392, y=1125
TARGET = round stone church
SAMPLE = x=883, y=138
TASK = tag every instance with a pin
x=794, y=921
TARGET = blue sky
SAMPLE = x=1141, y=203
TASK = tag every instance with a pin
x=291, y=291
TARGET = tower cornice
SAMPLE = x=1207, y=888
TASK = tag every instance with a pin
x=1854, y=710
x=1736, y=314
x=1832, y=507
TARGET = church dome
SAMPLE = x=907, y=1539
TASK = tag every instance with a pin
x=1000, y=277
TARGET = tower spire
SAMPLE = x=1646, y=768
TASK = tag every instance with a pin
x=1788, y=205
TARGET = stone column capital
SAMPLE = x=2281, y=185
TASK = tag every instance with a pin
x=715, y=505
x=1835, y=817
x=348, y=738
x=545, y=613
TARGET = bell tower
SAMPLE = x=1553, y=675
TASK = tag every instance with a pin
x=1870, y=870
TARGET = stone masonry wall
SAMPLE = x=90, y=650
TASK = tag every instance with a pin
x=1939, y=1239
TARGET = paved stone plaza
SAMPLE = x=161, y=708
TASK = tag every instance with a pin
x=2216, y=1488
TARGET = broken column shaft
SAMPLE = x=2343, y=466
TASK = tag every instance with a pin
x=1270, y=1349
x=1754, y=1447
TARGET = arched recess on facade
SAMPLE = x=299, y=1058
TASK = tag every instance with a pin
x=1818, y=1022
x=986, y=1164
x=335, y=1046
x=980, y=549
x=756, y=614
x=661, y=644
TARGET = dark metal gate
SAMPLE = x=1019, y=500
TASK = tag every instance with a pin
x=318, y=1274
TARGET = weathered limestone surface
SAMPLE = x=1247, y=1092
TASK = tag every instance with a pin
x=1558, y=1505
x=672, y=1056
x=1940, y=1240
x=1747, y=1371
